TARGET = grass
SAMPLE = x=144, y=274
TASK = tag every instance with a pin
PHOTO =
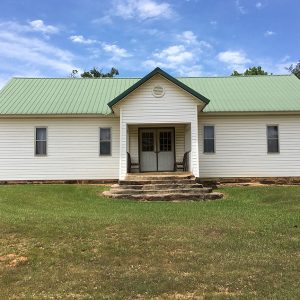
x=67, y=242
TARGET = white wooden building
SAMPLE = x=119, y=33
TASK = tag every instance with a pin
x=91, y=129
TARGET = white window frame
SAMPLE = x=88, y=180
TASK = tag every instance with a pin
x=35, y=141
x=278, y=138
x=110, y=152
x=214, y=152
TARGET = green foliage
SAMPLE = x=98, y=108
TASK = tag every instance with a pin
x=295, y=69
x=236, y=73
x=250, y=71
x=68, y=242
x=95, y=73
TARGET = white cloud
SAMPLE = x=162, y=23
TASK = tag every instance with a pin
x=24, y=54
x=39, y=25
x=142, y=9
x=188, y=37
x=115, y=51
x=233, y=57
x=269, y=33
x=235, y=60
x=258, y=5
x=175, y=54
x=81, y=40
x=183, y=57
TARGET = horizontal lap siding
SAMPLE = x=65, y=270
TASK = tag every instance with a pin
x=241, y=147
x=73, y=149
x=176, y=106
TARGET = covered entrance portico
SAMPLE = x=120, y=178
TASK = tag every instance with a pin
x=158, y=148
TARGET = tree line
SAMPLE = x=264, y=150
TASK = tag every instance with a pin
x=95, y=73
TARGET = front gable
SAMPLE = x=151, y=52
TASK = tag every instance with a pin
x=159, y=85
x=146, y=105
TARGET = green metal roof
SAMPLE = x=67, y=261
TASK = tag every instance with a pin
x=27, y=96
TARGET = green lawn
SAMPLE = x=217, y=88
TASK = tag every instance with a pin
x=67, y=242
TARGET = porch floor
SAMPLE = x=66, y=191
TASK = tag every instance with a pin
x=158, y=174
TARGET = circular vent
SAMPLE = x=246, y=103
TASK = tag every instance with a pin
x=158, y=91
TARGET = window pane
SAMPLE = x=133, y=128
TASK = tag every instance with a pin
x=41, y=148
x=209, y=132
x=273, y=146
x=104, y=148
x=104, y=134
x=165, y=141
x=41, y=134
x=209, y=146
x=147, y=141
x=272, y=132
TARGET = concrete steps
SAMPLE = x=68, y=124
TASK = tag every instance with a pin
x=161, y=187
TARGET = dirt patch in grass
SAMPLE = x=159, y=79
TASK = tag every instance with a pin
x=13, y=260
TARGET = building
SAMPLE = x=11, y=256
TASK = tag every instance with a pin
x=92, y=129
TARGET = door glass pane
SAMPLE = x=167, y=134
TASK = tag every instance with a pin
x=147, y=141
x=165, y=141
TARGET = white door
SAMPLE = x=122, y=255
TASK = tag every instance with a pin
x=157, y=149
x=148, y=157
x=165, y=150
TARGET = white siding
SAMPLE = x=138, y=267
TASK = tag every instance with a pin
x=241, y=147
x=175, y=107
x=73, y=149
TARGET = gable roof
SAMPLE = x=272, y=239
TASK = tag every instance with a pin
x=63, y=96
x=150, y=75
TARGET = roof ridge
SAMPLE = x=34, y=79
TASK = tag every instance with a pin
x=18, y=77
x=179, y=77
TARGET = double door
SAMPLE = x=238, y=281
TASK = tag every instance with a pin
x=157, y=149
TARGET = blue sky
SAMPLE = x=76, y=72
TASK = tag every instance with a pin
x=184, y=37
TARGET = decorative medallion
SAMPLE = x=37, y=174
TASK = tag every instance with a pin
x=158, y=91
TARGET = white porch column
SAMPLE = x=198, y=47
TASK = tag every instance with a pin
x=123, y=148
x=195, y=146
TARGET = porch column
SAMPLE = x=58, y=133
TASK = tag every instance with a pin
x=195, y=147
x=123, y=148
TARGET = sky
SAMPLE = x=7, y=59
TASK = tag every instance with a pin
x=50, y=38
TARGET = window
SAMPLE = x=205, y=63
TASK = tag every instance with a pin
x=147, y=141
x=105, y=141
x=209, y=139
x=41, y=141
x=165, y=141
x=273, y=139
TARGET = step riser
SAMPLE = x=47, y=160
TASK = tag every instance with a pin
x=161, y=178
x=168, y=197
x=159, y=186
x=153, y=192
x=143, y=182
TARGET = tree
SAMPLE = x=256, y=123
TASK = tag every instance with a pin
x=95, y=73
x=295, y=69
x=250, y=71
